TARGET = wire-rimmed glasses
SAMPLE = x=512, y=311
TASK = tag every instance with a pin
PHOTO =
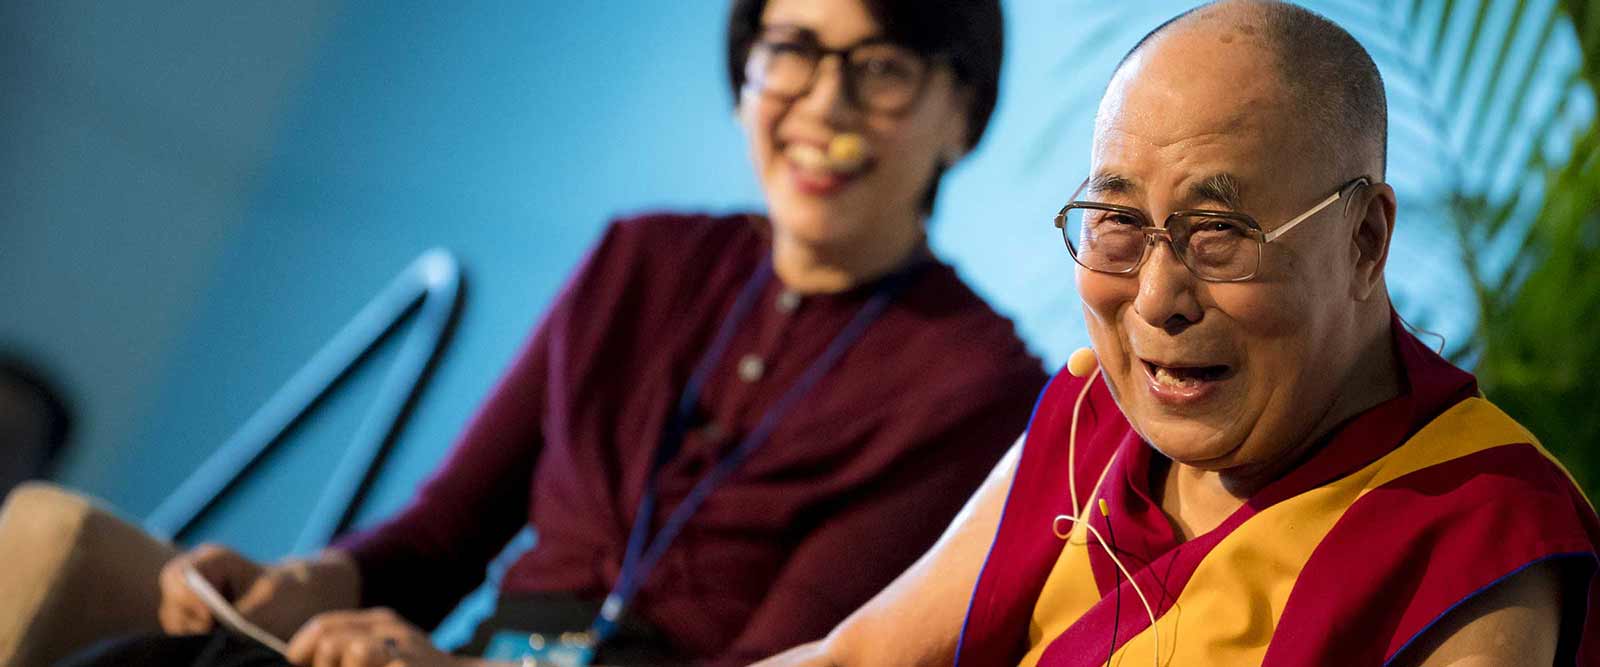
x=1217, y=246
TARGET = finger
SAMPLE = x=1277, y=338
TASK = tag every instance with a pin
x=305, y=645
x=180, y=610
x=364, y=652
x=260, y=593
x=177, y=620
x=347, y=621
x=384, y=615
x=320, y=651
x=329, y=650
x=228, y=571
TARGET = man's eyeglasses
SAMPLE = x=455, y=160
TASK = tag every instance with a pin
x=1217, y=246
x=879, y=75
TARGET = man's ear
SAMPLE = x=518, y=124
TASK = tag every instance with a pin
x=1371, y=236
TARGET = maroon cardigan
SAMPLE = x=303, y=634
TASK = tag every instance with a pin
x=856, y=482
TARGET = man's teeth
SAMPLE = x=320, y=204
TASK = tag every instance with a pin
x=1167, y=377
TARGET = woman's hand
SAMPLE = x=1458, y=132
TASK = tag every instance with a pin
x=278, y=598
x=366, y=638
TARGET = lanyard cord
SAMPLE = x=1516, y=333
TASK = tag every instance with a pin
x=639, y=559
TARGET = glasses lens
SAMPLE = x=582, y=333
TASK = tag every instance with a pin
x=1104, y=239
x=886, y=77
x=1216, y=248
x=780, y=68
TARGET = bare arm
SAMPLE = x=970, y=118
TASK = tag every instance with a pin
x=1516, y=622
x=917, y=619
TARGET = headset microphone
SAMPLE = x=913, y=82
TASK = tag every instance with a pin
x=1082, y=362
x=847, y=151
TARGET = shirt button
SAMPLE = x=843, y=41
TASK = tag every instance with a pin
x=751, y=368
x=788, y=301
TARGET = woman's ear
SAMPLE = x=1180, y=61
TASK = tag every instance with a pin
x=956, y=141
x=953, y=154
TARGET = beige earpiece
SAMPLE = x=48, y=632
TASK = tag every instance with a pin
x=1082, y=362
x=847, y=151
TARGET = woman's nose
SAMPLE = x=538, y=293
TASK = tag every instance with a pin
x=829, y=96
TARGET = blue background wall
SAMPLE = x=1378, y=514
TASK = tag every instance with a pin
x=192, y=199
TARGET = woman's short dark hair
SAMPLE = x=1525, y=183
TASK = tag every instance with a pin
x=969, y=33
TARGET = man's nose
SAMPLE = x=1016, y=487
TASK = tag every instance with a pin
x=1166, y=296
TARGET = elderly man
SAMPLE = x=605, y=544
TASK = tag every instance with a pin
x=1265, y=468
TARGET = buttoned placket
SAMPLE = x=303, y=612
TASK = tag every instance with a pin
x=755, y=365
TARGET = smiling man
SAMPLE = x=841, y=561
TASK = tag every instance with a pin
x=1264, y=467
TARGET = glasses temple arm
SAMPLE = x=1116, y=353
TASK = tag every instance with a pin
x=1301, y=218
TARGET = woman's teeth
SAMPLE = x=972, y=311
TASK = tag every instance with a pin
x=807, y=156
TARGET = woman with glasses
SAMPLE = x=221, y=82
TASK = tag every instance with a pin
x=728, y=431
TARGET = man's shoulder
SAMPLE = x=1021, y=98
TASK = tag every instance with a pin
x=1474, y=445
x=1468, y=501
x=1474, y=474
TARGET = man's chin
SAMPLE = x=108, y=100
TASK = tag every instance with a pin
x=1196, y=446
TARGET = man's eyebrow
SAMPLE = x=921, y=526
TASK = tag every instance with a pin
x=1222, y=188
x=1110, y=184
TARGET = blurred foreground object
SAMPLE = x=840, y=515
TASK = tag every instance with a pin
x=35, y=423
x=75, y=573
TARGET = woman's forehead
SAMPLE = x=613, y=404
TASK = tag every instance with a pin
x=832, y=21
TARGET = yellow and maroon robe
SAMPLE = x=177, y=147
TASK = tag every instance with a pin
x=1403, y=513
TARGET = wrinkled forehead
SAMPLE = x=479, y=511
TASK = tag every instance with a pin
x=1192, y=105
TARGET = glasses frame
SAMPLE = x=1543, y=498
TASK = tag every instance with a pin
x=1154, y=233
x=847, y=78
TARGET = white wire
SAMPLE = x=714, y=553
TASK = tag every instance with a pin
x=1072, y=442
x=1118, y=562
x=1077, y=510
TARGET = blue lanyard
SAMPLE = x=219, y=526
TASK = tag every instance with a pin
x=643, y=552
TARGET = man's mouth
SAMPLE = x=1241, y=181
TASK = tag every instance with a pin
x=1184, y=383
x=1185, y=376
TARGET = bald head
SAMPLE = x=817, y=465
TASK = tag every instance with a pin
x=1330, y=83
